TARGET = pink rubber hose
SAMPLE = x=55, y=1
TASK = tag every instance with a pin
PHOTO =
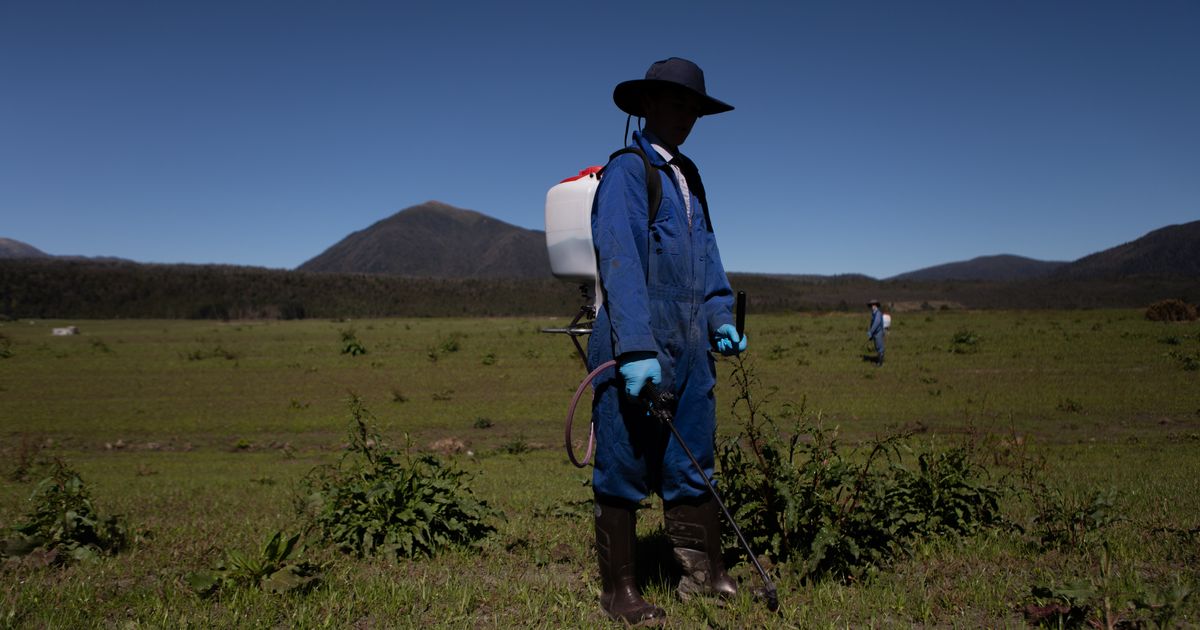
x=591, y=447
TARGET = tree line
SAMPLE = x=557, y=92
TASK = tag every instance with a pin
x=59, y=289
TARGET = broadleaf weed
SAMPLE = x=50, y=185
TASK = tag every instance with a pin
x=801, y=497
x=379, y=500
x=64, y=524
x=277, y=568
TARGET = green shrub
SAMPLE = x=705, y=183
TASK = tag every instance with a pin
x=377, y=500
x=1108, y=599
x=1070, y=520
x=63, y=522
x=1188, y=361
x=799, y=498
x=276, y=569
x=216, y=353
x=947, y=494
x=1069, y=405
x=449, y=345
x=964, y=342
x=350, y=343
x=517, y=446
x=27, y=459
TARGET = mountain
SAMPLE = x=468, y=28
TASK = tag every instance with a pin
x=999, y=267
x=437, y=240
x=16, y=249
x=1170, y=251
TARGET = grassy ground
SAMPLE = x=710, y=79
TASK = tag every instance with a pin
x=197, y=432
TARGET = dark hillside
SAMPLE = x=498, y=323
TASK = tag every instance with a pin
x=1170, y=251
x=770, y=293
x=1000, y=267
x=58, y=289
x=435, y=240
x=104, y=290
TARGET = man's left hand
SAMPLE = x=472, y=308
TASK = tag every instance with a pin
x=727, y=340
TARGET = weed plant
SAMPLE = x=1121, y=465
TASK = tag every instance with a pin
x=397, y=503
x=1188, y=361
x=276, y=569
x=28, y=459
x=964, y=342
x=63, y=524
x=350, y=343
x=828, y=513
x=1104, y=600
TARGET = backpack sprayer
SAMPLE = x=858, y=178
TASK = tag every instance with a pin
x=573, y=258
x=572, y=255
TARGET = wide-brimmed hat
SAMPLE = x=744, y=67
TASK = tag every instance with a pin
x=673, y=71
x=873, y=303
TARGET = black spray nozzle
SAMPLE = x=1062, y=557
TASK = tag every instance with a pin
x=659, y=402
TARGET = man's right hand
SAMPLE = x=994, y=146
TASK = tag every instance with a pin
x=637, y=368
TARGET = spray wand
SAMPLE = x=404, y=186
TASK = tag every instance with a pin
x=659, y=403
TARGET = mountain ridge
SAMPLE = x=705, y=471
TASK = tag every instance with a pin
x=995, y=267
x=1172, y=250
x=12, y=248
x=437, y=240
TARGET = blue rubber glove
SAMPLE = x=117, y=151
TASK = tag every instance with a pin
x=637, y=368
x=728, y=341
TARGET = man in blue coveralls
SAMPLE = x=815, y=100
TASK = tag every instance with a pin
x=666, y=304
x=876, y=331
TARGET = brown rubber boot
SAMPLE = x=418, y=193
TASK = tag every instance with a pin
x=694, y=527
x=616, y=537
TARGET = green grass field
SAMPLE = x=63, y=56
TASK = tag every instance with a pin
x=197, y=433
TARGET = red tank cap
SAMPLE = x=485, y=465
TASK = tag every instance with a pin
x=584, y=173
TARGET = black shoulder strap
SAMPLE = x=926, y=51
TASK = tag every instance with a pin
x=654, y=185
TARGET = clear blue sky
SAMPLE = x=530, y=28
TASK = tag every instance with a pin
x=869, y=137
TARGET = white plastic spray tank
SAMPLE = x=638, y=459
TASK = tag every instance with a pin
x=569, y=230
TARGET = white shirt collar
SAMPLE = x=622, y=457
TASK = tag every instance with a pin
x=679, y=179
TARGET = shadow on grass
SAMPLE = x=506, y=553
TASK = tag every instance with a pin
x=655, y=563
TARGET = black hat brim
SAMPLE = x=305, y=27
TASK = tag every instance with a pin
x=628, y=96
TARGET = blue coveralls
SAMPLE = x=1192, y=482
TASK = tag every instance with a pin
x=665, y=291
x=875, y=332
